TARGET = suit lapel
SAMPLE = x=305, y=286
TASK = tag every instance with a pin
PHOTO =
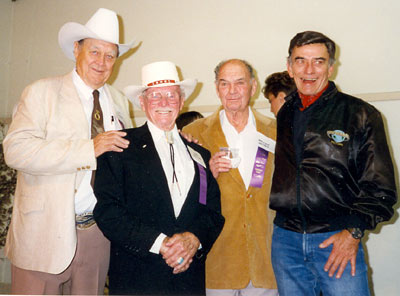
x=73, y=110
x=115, y=98
x=153, y=168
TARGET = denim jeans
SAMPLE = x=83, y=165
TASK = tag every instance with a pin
x=298, y=264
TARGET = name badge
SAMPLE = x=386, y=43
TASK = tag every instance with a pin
x=196, y=156
x=266, y=143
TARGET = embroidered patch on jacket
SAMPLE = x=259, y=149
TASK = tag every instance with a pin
x=338, y=137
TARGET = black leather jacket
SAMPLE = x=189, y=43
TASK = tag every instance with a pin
x=343, y=174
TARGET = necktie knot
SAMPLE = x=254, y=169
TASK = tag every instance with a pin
x=96, y=94
x=97, y=116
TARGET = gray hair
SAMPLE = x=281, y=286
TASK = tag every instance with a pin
x=245, y=63
x=312, y=37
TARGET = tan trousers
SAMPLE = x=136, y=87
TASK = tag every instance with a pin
x=86, y=274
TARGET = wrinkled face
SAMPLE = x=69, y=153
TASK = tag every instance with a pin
x=309, y=67
x=276, y=102
x=235, y=87
x=162, y=105
x=95, y=61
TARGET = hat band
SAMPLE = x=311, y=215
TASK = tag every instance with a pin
x=161, y=82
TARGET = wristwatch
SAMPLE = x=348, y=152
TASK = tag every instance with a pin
x=355, y=232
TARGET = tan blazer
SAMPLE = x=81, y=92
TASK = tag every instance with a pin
x=48, y=143
x=242, y=252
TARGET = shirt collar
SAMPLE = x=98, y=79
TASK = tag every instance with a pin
x=251, y=122
x=158, y=133
x=82, y=87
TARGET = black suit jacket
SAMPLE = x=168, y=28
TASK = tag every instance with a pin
x=134, y=206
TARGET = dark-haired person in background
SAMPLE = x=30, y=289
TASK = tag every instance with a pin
x=277, y=86
x=187, y=117
x=333, y=178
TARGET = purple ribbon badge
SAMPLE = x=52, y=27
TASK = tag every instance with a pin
x=257, y=176
x=203, y=184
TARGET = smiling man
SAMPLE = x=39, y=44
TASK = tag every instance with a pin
x=158, y=201
x=333, y=178
x=59, y=127
x=240, y=261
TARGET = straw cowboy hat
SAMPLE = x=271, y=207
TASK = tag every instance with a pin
x=103, y=25
x=159, y=74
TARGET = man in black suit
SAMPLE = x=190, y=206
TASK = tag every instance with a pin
x=158, y=202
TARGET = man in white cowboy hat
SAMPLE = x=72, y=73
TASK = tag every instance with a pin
x=240, y=261
x=59, y=127
x=158, y=202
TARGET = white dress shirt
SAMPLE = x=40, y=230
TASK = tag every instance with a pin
x=84, y=197
x=246, y=142
x=184, y=171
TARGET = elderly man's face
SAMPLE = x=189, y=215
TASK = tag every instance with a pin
x=235, y=86
x=309, y=67
x=162, y=105
x=95, y=61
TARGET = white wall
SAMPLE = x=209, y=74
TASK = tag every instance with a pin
x=196, y=35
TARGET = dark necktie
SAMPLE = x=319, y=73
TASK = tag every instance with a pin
x=97, y=116
x=97, y=123
x=170, y=141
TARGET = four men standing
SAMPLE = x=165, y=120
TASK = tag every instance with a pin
x=333, y=180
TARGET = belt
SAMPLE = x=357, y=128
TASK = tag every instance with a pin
x=84, y=221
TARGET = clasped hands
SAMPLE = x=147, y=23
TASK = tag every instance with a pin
x=180, y=245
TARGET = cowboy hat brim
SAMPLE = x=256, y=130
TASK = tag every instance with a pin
x=133, y=92
x=71, y=32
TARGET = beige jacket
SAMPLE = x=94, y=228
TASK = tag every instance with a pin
x=242, y=252
x=48, y=143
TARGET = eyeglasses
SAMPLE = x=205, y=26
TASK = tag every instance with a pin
x=156, y=97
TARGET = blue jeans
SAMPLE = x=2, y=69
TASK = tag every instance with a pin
x=298, y=264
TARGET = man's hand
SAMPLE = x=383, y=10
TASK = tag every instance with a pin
x=189, y=137
x=109, y=141
x=218, y=164
x=183, y=245
x=345, y=249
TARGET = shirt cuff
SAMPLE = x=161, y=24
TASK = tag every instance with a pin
x=155, y=248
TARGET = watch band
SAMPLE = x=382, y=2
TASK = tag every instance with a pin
x=356, y=233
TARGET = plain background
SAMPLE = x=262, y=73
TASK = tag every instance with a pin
x=197, y=34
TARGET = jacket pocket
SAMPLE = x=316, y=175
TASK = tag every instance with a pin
x=28, y=204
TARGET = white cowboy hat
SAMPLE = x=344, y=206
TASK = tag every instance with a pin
x=159, y=74
x=103, y=25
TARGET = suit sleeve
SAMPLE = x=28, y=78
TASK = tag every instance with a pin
x=111, y=211
x=27, y=147
x=375, y=201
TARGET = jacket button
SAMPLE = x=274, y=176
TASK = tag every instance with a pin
x=88, y=166
x=78, y=169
